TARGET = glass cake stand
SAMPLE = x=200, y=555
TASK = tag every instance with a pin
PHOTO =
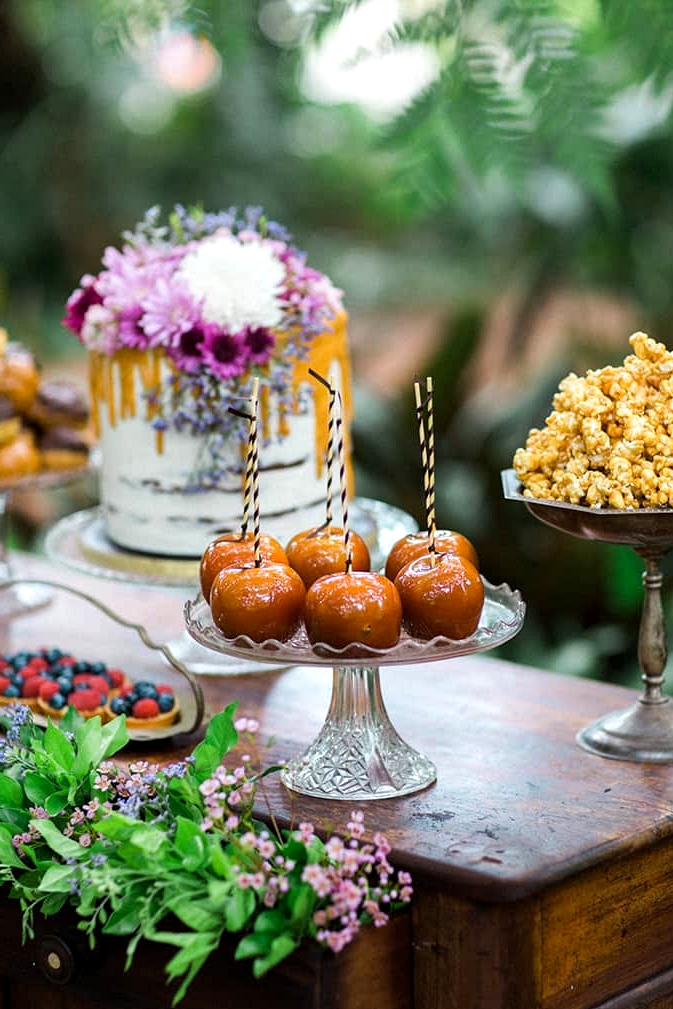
x=80, y=540
x=644, y=730
x=22, y=596
x=358, y=754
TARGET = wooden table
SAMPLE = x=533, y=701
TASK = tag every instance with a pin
x=543, y=875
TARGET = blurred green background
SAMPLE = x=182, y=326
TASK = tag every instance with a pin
x=488, y=182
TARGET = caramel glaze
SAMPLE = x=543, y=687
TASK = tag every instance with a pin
x=119, y=397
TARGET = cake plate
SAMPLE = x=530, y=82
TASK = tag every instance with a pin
x=358, y=754
x=21, y=597
x=80, y=540
x=644, y=730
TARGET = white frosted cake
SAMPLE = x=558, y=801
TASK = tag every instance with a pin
x=178, y=324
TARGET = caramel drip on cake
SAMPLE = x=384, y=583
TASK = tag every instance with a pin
x=127, y=364
x=119, y=397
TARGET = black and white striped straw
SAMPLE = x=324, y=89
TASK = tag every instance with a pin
x=427, y=460
x=343, y=483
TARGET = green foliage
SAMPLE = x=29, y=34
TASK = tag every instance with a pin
x=173, y=856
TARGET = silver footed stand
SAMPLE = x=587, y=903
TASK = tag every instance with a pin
x=644, y=731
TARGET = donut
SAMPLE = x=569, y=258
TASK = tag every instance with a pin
x=19, y=376
x=10, y=420
x=19, y=457
x=59, y=404
x=63, y=448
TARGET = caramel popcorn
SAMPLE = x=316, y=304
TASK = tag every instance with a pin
x=608, y=441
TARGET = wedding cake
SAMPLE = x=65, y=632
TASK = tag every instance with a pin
x=178, y=323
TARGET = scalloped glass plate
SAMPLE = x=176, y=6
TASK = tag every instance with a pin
x=501, y=618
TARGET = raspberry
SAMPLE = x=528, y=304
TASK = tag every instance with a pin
x=47, y=689
x=146, y=707
x=31, y=685
x=117, y=676
x=38, y=664
x=163, y=688
x=85, y=700
x=4, y=683
x=95, y=682
x=127, y=688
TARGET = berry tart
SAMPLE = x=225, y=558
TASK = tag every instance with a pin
x=146, y=705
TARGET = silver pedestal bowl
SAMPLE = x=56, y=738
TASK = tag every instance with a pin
x=643, y=731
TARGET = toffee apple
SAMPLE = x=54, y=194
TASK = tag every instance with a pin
x=353, y=608
x=236, y=549
x=418, y=545
x=322, y=551
x=259, y=601
x=442, y=598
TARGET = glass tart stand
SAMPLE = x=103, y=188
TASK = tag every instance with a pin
x=358, y=754
x=21, y=597
x=644, y=730
x=80, y=540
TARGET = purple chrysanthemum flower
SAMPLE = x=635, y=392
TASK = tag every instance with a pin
x=187, y=351
x=259, y=343
x=224, y=353
x=79, y=302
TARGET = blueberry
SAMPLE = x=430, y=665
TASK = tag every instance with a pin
x=97, y=668
x=12, y=691
x=118, y=706
x=16, y=679
x=52, y=655
x=19, y=659
x=145, y=689
x=56, y=669
x=57, y=701
x=65, y=684
x=81, y=667
x=166, y=702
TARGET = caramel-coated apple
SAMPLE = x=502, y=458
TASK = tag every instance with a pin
x=322, y=551
x=418, y=545
x=353, y=609
x=260, y=602
x=445, y=599
x=232, y=548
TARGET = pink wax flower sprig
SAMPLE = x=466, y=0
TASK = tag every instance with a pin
x=224, y=296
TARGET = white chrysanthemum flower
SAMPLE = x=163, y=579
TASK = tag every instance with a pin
x=239, y=283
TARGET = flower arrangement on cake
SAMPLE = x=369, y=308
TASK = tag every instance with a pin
x=224, y=296
x=181, y=321
x=130, y=848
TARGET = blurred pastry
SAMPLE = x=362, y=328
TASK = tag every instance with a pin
x=10, y=420
x=19, y=457
x=57, y=404
x=62, y=448
x=19, y=376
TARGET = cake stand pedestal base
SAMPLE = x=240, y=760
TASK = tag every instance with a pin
x=358, y=754
x=642, y=732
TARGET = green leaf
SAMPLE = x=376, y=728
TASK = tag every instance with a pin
x=302, y=902
x=11, y=793
x=57, y=744
x=189, y=842
x=53, y=903
x=271, y=921
x=195, y=916
x=124, y=920
x=220, y=863
x=220, y=737
x=238, y=909
x=8, y=855
x=281, y=947
x=113, y=738
x=56, y=802
x=88, y=738
x=57, y=879
x=37, y=788
x=63, y=846
x=256, y=944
